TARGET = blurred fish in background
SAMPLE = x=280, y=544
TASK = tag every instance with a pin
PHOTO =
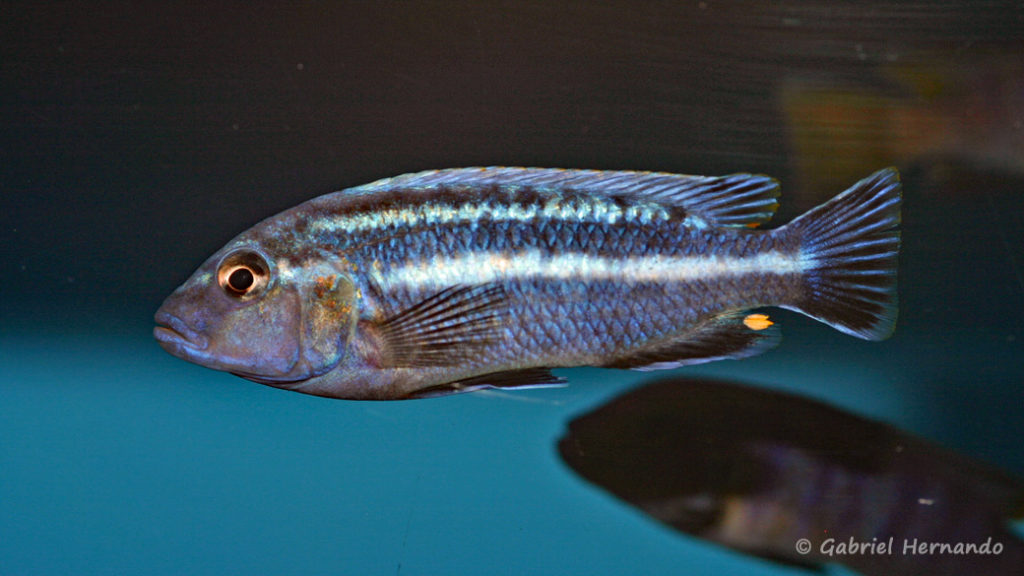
x=951, y=107
x=797, y=481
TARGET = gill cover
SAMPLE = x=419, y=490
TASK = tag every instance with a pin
x=329, y=318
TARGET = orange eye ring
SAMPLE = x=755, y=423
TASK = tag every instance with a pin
x=243, y=274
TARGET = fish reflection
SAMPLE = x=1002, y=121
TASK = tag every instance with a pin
x=798, y=481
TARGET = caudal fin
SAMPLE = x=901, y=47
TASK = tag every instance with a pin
x=850, y=245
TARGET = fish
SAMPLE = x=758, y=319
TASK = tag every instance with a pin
x=447, y=281
x=797, y=481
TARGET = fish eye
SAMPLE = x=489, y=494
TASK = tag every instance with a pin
x=243, y=274
x=240, y=280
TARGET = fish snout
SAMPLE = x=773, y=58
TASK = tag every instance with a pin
x=174, y=335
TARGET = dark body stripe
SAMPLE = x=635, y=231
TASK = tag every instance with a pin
x=582, y=319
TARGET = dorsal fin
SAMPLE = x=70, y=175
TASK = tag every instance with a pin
x=733, y=200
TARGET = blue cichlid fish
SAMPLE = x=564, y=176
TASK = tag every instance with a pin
x=454, y=280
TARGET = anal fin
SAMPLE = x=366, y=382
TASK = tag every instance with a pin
x=508, y=380
x=734, y=335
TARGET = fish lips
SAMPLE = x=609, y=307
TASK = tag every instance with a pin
x=176, y=337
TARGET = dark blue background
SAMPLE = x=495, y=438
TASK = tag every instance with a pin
x=136, y=139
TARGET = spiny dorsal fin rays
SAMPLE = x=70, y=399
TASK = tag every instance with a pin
x=733, y=200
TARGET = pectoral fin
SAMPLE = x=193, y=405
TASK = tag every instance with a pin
x=734, y=335
x=446, y=329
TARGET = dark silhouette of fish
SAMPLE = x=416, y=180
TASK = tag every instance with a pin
x=454, y=280
x=798, y=481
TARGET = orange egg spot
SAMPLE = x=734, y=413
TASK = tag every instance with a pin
x=757, y=321
x=324, y=284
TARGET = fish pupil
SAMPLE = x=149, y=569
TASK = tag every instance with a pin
x=241, y=280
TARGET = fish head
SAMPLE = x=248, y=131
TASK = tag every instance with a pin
x=261, y=314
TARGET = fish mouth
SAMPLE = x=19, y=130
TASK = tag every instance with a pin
x=176, y=337
x=269, y=381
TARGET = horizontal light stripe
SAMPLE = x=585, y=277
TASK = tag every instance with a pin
x=481, y=268
x=575, y=209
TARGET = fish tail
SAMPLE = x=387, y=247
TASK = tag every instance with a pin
x=850, y=246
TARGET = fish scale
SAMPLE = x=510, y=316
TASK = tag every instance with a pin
x=594, y=334
x=454, y=280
